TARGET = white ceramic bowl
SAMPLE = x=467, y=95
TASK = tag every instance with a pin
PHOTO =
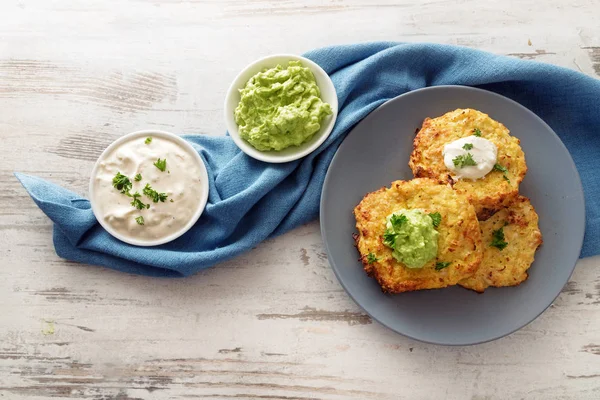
x=328, y=95
x=203, y=181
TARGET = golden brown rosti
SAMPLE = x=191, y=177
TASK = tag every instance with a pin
x=459, y=239
x=510, y=239
x=488, y=194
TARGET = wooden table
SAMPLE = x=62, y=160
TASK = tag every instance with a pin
x=273, y=323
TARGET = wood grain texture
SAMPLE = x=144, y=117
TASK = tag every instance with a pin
x=273, y=323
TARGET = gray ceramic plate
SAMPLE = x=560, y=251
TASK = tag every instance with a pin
x=376, y=153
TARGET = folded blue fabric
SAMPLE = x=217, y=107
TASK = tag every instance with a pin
x=250, y=201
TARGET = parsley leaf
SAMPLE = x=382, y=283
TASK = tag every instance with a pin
x=468, y=146
x=477, y=132
x=498, y=239
x=464, y=161
x=140, y=220
x=148, y=140
x=154, y=195
x=389, y=238
x=398, y=220
x=500, y=168
x=121, y=183
x=371, y=258
x=436, y=218
x=137, y=203
x=161, y=164
x=441, y=265
x=138, y=177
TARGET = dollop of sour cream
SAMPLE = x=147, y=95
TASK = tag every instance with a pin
x=180, y=181
x=482, y=151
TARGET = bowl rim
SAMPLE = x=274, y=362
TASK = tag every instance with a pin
x=242, y=78
x=203, y=195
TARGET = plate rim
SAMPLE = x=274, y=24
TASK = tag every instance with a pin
x=572, y=165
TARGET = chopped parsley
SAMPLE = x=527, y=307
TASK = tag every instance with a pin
x=121, y=183
x=148, y=140
x=137, y=203
x=498, y=239
x=441, y=265
x=161, y=164
x=500, y=168
x=464, y=161
x=398, y=220
x=154, y=195
x=436, y=218
x=371, y=258
x=468, y=146
x=140, y=220
x=389, y=238
x=138, y=177
x=477, y=132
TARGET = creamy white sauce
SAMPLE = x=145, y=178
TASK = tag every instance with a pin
x=484, y=153
x=180, y=181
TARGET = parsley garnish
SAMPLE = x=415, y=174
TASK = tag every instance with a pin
x=137, y=203
x=441, y=265
x=468, y=146
x=148, y=140
x=138, y=177
x=500, y=168
x=464, y=161
x=121, y=183
x=477, y=132
x=161, y=164
x=498, y=239
x=140, y=220
x=371, y=258
x=153, y=194
x=389, y=238
x=398, y=220
x=436, y=218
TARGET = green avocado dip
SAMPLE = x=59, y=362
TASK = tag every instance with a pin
x=412, y=237
x=280, y=107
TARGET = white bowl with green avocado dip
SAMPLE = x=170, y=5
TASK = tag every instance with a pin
x=281, y=108
x=148, y=188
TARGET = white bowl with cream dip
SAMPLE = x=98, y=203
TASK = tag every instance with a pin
x=148, y=188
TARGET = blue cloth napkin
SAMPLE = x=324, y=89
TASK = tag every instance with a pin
x=250, y=201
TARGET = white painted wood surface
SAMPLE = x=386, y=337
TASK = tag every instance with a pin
x=274, y=323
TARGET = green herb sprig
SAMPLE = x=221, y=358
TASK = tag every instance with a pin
x=154, y=195
x=440, y=265
x=500, y=168
x=371, y=258
x=122, y=183
x=137, y=203
x=436, y=218
x=498, y=239
x=464, y=161
x=161, y=164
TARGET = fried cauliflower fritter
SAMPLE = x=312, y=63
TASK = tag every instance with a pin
x=493, y=191
x=507, y=267
x=459, y=239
